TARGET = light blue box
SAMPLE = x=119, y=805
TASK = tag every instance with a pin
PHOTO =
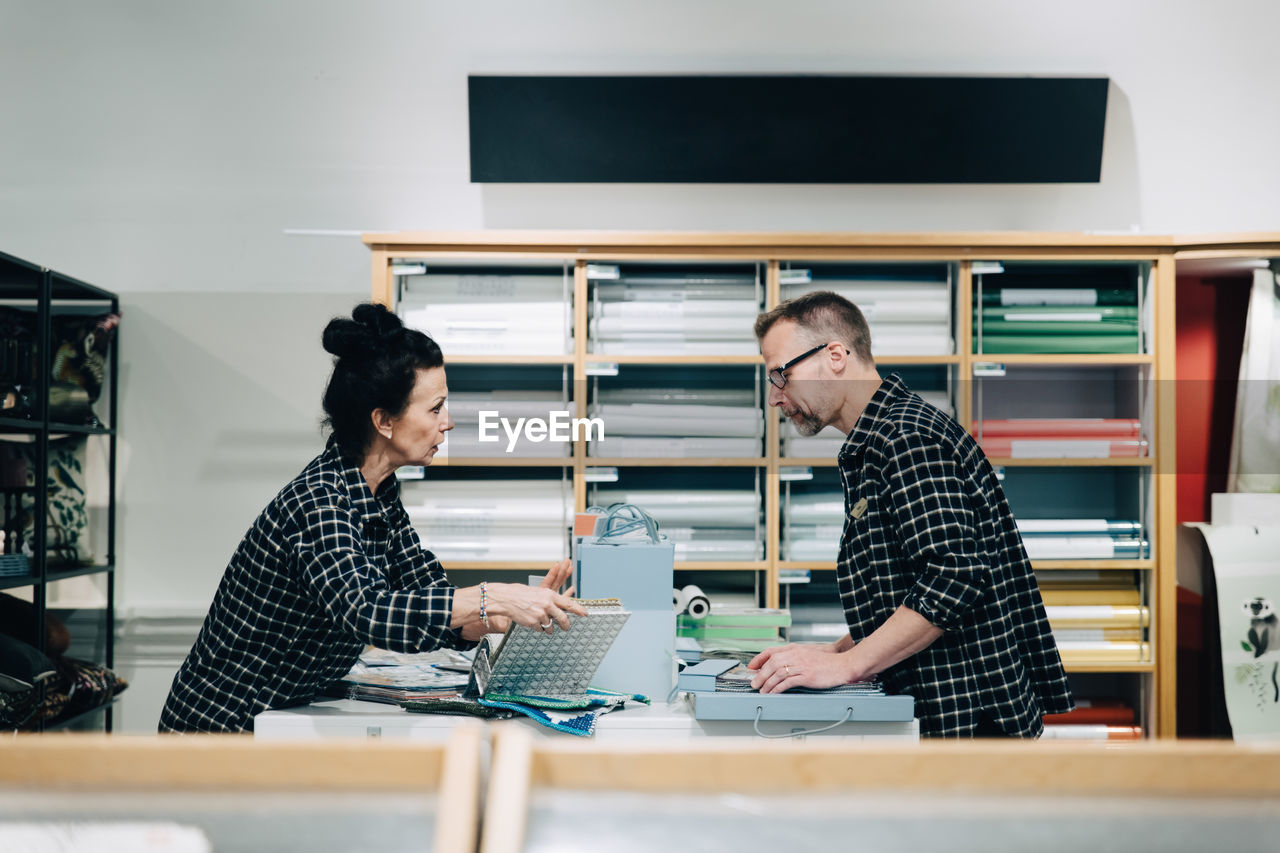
x=641, y=574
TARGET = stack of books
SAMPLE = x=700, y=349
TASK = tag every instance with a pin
x=1061, y=438
x=1056, y=320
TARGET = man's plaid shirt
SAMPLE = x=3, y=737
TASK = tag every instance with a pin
x=327, y=568
x=937, y=536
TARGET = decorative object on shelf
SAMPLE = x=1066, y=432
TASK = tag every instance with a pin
x=80, y=349
x=67, y=527
x=17, y=362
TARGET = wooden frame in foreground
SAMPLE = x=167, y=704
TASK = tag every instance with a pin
x=237, y=763
x=522, y=764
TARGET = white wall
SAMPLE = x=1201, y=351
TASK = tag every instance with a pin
x=162, y=149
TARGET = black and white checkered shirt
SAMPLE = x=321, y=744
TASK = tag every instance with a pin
x=326, y=569
x=937, y=536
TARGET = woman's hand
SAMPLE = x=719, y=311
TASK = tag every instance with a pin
x=538, y=607
x=554, y=579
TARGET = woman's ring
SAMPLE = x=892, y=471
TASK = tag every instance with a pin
x=546, y=626
x=787, y=667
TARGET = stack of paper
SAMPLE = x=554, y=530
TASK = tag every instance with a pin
x=491, y=313
x=1056, y=320
x=1059, y=438
x=678, y=422
x=675, y=313
x=731, y=628
x=1096, y=616
x=381, y=676
x=812, y=523
x=466, y=439
x=703, y=524
x=906, y=316
x=483, y=520
x=1083, y=539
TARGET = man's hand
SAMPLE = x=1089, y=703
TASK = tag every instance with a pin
x=797, y=665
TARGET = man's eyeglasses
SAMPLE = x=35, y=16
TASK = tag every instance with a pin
x=778, y=376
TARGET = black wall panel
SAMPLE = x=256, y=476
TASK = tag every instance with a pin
x=786, y=129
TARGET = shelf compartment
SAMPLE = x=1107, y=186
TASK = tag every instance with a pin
x=1061, y=309
x=678, y=414
x=909, y=308
x=491, y=517
x=665, y=309
x=510, y=398
x=471, y=310
x=710, y=519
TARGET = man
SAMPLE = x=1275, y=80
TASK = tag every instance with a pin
x=937, y=590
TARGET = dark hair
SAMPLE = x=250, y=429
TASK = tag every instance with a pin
x=377, y=364
x=823, y=316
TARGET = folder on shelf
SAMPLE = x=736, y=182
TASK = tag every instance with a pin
x=1072, y=296
x=1069, y=616
x=1109, y=597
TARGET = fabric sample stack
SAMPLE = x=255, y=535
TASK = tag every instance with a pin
x=675, y=313
x=1061, y=438
x=1056, y=320
x=491, y=314
x=678, y=423
x=906, y=316
x=703, y=524
x=481, y=520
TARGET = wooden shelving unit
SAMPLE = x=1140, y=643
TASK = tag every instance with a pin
x=1154, y=253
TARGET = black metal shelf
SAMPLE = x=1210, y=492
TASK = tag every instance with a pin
x=14, y=581
x=52, y=575
x=78, y=429
x=47, y=294
x=21, y=425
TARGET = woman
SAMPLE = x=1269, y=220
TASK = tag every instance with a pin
x=332, y=563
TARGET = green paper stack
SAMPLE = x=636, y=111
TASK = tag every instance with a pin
x=750, y=629
x=1060, y=321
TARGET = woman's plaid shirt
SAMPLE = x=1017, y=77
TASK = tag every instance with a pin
x=937, y=536
x=327, y=568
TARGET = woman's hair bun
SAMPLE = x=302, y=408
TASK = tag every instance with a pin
x=364, y=334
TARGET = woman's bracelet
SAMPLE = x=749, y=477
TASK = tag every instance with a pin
x=484, y=604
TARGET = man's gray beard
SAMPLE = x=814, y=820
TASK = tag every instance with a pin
x=807, y=424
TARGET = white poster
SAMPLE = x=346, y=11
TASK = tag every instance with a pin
x=1246, y=565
